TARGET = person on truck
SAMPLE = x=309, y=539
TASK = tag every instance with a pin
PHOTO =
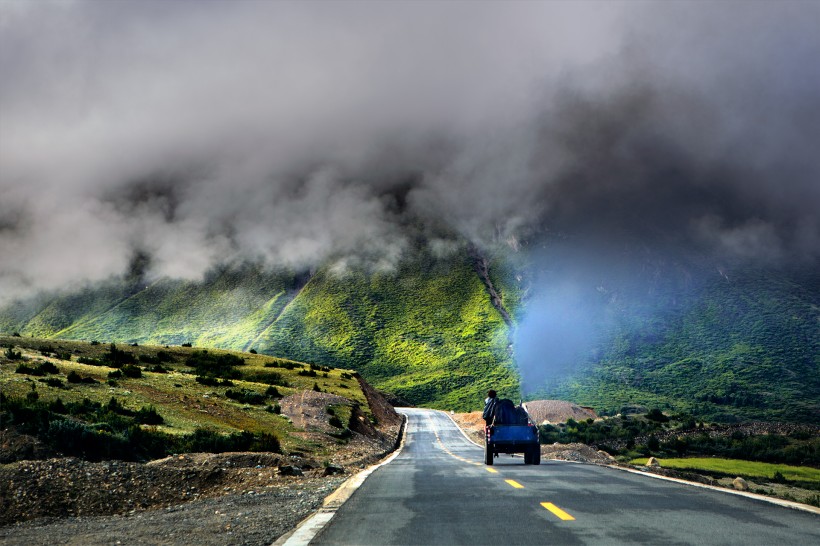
x=489, y=406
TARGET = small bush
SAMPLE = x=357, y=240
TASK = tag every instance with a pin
x=273, y=392
x=116, y=374
x=246, y=396
x=266, y=442
x=28, y=370
x=54, y=382
x=334, y=421
x=158, y=368
x=148, y=416
x=253, y=351
x=657, y=415
x=133, y=372
x=12, y=355
x=316, y=387
x=187, y=345
x=209, y=381
x=307, y=373
x=74, y=377
x=90, y=361
x=165, y=356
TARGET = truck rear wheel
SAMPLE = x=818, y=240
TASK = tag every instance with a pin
x=488, y=454
x=535, y=455
x=528, y=456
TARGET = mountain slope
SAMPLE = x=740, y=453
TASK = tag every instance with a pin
x=741, y=347
x=427, y=332
x=724, y=344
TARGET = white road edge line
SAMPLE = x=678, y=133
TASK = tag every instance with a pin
x=764, y=498
x=310, y=526
x=461, y=430
x=755, y=496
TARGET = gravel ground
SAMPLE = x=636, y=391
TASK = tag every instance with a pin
x=192, y=499
x=254, y=518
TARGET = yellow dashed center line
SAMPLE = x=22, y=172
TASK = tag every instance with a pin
x=557, y=511
x=548, y=505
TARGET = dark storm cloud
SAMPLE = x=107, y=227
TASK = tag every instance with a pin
x=191, y=133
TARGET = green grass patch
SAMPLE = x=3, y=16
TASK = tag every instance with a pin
x=736, y=467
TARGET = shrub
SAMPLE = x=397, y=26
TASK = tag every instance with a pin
x=275, y=408
x=12, y=355
x=148, y=416
x=116, y=374
x=165, y=356
x=187, y=345
x=266, y=377
x=131, y=371
x=266, y=442
x=246, y=396
x=215, y=365
x=54, y=382
x=334, y=421
x=273, y=392
x=657, y=415
x=28, y=370
x=209, y=381
x=90, y=361
x=57, y=406
x=307, y=373
x=253, y=351
x=94, y=342
x=316, y=387
x=117, y=358
x=74, y=377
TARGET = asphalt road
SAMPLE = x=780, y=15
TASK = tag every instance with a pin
x=438, y=491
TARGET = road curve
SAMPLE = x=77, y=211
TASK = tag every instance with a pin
x=438, y=491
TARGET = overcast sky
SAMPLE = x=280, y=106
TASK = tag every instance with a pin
x=198, y=132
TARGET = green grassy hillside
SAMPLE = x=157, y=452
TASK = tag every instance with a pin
x=228, y=310
x=686, y=338
x=426, y=332
x=738, y=349
x=78, y=374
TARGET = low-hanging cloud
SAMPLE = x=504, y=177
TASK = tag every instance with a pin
x=195, y=133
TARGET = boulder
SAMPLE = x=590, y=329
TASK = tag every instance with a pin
x=653, y=462
x=332, y=469
x=740, y=484
x=289, y=470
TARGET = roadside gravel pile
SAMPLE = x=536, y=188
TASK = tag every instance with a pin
x=557, y=411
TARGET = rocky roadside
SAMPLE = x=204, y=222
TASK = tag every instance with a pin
x=197, y=498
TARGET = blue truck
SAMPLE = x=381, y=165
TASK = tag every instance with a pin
x=511, y=430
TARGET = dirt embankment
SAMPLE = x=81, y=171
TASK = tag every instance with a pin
x=178, y=500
